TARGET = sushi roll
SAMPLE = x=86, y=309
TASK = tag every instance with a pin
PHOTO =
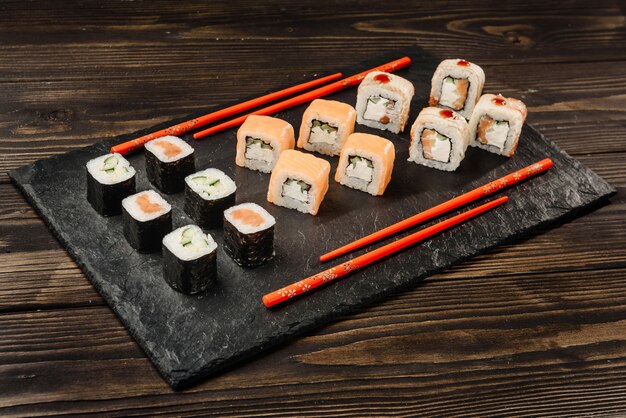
x=439, y=138
x=366, y=163
x=260, y=140
x=496, y=124
x=189, y=260
x=249, y=234
x=383, y=101
x=147, y=217
x=207, y=194
x=110, y=178
x=299, y=181
x=169, y=160
x=457, y=84
x=326, y=124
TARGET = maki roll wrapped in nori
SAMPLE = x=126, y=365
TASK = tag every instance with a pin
x=189, y=260
x=249, y=234
x=110, y=178
x=147, y=218
x=208, y=193
x=169, y=160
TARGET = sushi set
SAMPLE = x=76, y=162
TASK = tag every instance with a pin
x=197, y=239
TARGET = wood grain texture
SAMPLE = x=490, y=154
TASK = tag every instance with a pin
x=535, y=328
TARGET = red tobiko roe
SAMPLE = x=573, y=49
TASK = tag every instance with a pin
x=382, y=78
x=499, y=101
x=446, y=114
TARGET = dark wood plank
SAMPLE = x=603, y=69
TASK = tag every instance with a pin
x=566, y=101
x=563, y=342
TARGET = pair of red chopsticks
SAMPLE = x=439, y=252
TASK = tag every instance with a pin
x=303, y=286
x=196, y=123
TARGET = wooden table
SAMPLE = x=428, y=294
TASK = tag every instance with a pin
x=534, y=328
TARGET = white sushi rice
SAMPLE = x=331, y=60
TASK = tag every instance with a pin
x=159, y=152
x=514, y=112
x=200, y=243
x=121, y=172
x=268, y=220
x=226, y=184
x=455, y=128
x=445, y=94
x=397, y=90
x=134, y=209
x=319, y=140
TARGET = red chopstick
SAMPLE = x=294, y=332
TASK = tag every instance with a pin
x=303, y=286
x=192, y=124
x=454, y=203
x=306, y=97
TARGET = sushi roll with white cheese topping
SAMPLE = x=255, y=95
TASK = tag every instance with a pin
x=147, y=218
x=457, y=84
x=383, y=101
x=326, y=124
x=496, y=124
x=189, y=260
x=249, y=234
x=169, y=160
x=207, y=194
x=366, y=163
x=439, y=139
x=260, y=141
x=110, y=178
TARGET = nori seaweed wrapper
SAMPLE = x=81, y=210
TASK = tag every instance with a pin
x=169, y=177
x=208, y=214
x=189, y=277
x=106, y=199
x=248, y=250
x=146, y=237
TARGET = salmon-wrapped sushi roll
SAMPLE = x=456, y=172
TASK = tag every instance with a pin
x=366, y=163
x=299, y=181
x=496, y=124
x=325, y=126
x=260, y=140
x=457, y=84
x=439, y=138
x=383, y=101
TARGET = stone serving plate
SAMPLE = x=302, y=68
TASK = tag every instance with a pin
x=191, y=337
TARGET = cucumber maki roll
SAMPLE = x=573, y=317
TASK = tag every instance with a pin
x=189, y=260
x=208, y=193
x=169, y=160
x=249, y=234
x=110, y=178
x=147, y=218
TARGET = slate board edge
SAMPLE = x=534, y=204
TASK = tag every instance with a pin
x=179, y=379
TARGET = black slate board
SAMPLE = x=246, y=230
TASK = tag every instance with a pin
x=191, y=337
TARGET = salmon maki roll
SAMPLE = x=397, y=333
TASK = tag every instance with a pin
x=496, y=124
x=326, y=124
x=439, y=138
x=457, y=85
x=260, y=140
x=299, y=181
x=366, y=163
x=383, y=101
x=169, y=160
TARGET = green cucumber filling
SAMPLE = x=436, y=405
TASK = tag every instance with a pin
x=208, y=185
x=360, y=168
x=322, y=132
x=296, y=189
x=257, y=149
x=110, y=165
x=193, y=238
